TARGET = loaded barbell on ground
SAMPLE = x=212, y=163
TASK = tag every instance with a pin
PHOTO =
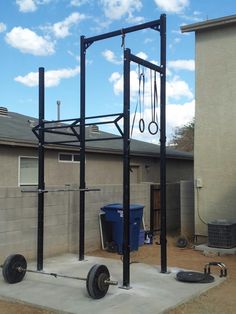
x=98, y=280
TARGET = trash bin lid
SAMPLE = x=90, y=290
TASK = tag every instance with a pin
x=118, y=206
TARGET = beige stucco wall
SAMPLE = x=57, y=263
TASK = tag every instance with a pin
x=215, y=127
x=100, y=168
x=56, y=173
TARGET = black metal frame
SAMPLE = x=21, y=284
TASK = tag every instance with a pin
x=77, y=130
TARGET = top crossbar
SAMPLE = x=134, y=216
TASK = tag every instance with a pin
x=152, y=24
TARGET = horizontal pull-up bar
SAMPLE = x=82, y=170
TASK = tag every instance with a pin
x=153, y=24
x=59, y=190
x=143, y=62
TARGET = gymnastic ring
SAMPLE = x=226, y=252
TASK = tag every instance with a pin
x=141, y=125
x=156, y=127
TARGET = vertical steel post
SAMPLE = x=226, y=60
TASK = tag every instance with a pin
x=126, y=173
x=41, y=184
x=151, y=217
x=82, y=148
x=163, y=145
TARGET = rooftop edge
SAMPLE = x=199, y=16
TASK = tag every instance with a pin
x=226, y=20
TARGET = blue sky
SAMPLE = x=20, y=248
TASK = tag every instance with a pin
x=46, y=33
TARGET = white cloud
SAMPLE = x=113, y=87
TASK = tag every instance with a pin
x=177, y=40
x=195, y=17
x=78, y=3
x=28, y=41
x=177, y=88
x=62, y=29
x=111, y=57
x=142, y=55
x=182, y=65
x=26, y=5
x=148, y=40
x=117, y=80
x=116, y=9
x=30, y=5
x=3, y=27
x=178, y=115
x=52, y=78
x=135, y=19
x=172, y=6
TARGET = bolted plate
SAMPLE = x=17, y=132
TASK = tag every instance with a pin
x=95, y=283
x=194, y=277
x=14, y=268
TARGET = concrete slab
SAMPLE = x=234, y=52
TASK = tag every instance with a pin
x=152, y=292
x=207, y=250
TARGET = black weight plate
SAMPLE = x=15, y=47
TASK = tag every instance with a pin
x=96, y=287
x=10, y=268
x=208, y=279
x=181, y=242
x=194, y=277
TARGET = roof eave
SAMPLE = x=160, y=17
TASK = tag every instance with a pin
x=213, y=23
x=31, y=144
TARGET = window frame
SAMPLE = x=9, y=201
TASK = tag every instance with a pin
x=19, y=171
x=72, y=158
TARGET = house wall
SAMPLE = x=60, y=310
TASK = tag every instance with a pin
x=56, y=173
x=100, y=168
x=215, y=127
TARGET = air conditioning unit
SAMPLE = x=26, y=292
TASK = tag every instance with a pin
x=222, y=234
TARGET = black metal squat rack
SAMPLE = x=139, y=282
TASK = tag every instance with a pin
x=76, y=129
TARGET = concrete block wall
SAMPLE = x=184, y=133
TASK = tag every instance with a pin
x=172, y=207
x=18, y=223
x=18, y=218
x=187, y=208
x=108, y=194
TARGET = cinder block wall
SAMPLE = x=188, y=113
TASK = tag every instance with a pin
x=172, y=207
x=187, y=208
x=18, y=222
x=108, y=194
x=18, y=218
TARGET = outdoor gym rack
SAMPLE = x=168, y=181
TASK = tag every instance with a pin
x=77, y=129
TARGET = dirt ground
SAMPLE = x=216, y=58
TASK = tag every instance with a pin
x=218, y=300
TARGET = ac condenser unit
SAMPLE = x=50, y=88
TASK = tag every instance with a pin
x=222, y=234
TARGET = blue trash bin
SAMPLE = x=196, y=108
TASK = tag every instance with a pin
x=114, y=215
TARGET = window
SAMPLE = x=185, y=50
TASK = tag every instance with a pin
x=28, y=170
x=66, y=157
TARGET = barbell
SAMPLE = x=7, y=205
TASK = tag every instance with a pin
x=98, y=280
x=40, y=191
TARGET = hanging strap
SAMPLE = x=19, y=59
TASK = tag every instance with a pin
x=122, y=39
x=153, y=125
x=138, y=102
x=141, y=100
